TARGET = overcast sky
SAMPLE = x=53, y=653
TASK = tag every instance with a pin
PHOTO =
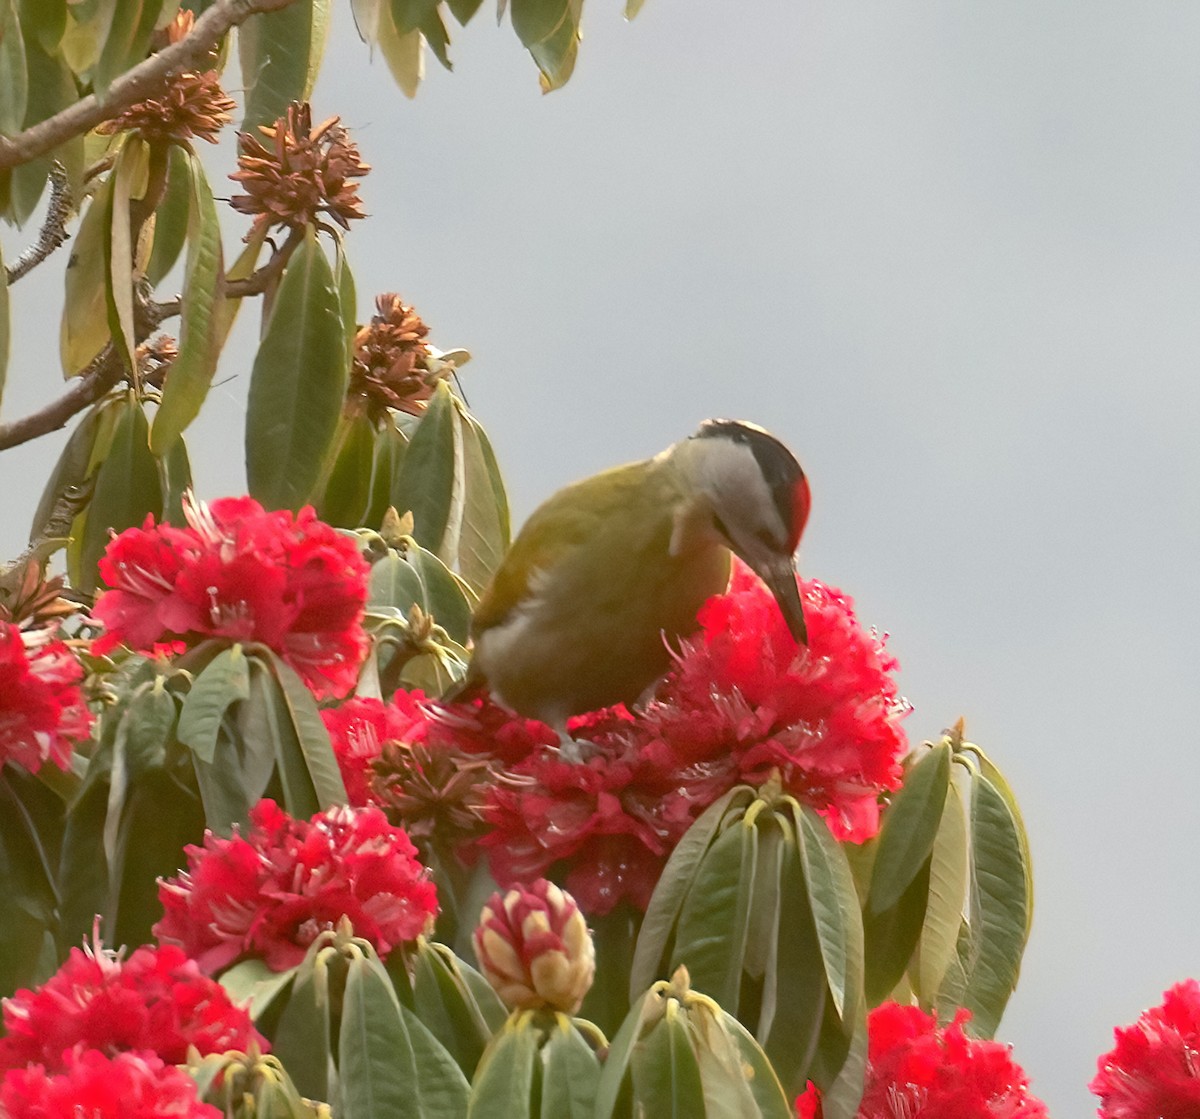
x=950, y=252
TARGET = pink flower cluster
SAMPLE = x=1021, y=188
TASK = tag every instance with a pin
x=920, y=1070
x=236, y=571
x=42, y=710
x=271, y=892
x=1154, y=1068
x=101, y=1038
x=741, y=701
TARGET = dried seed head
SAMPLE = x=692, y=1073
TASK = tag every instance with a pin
x=305, y=172
x=392, y=361
x=190, y=104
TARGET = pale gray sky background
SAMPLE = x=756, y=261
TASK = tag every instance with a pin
x=950, y=252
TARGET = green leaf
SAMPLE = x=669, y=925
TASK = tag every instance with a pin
x=794, y=987
x=311, y=735
x=366, y=18
x=549, y=29
x=347, y=491
x=444, y=597
x=710, y=939
x=52, y=88
x=224, y=682
x=841, y=1095
x=298, y=382
x=463, y=10
x=758, y=1075
x=571, y=1074
x=948, y=878
x=999, y=906
x=71, y=469
x=45, y=21
x=265, y=718
x=835, y=911
x=240, y=269
x=302, y=1039
x=85, y=327
x=175, y=474
x=674, y=886
x=447, y=1006
x=14, y=76
x=199, y=344
x=665, y=1071
x=484, y=536
x=127, y=488
x=993, y=774
x=620, y=1053
x=127, y=42
x=347, y=300
x=389, y=1064
x=171, y=216
x=129, y=183
x=432, y=463
x=280, y=54
x=503, y=1087
x=891, y=935
x=910, y=824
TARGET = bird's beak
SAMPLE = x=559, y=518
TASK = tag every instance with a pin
x=780, y=577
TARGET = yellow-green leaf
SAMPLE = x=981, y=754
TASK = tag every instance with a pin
x=191, y=374
x=947, y=897
x=549, y=29
x=85, y=328
x=403, y=53
x=127, y=41
x=280, y=54
x=129, y=183
x=14, y=76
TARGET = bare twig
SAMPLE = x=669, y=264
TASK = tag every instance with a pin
x=100, y=376
x=54, y=229
x=135, y=85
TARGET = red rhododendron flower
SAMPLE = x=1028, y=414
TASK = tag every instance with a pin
x=271, y=892
x=42, y=710
x=1154, y=1070
x=359, y=728
x=95, y=1086
x=286, y=580
x=917, y=1069
x=156, y=1000
x=743, y=700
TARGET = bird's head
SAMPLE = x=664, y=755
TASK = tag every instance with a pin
x=749, y=490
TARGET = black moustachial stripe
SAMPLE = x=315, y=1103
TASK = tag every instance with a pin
x=780, y=470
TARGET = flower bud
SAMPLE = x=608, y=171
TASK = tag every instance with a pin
x=534, y=948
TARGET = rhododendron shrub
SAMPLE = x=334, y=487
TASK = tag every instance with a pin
x=155, y=1000
x=92, y=1085
x=1154, y=1068
x=271, y=892
x=917, y=1069
x=239, y=572
x=42, y=710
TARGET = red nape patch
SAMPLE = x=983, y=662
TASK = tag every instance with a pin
x=801, y=504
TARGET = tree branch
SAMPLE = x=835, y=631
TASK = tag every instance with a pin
x=103, y=373
x=144, y=79
x=54, y=229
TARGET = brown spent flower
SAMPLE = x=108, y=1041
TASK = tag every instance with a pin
x=434, y=792
x=305, y=172
x=29, y=599
x=191, y=104
x=155, y=357
x=391, y=366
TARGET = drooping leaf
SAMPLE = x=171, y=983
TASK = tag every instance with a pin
x=264, y=718
x=665, y=1071
x=303, y=1039
x=44, y=22
x=366, y=18
x=127, y=41
x=85, y=327
x=311, y=735
x=891, y=935
x=14, y=76
x=448, y=1006
x=127, y=489
x=298, y=382
x=835, y=911
x=71, y=469
x=909, y=826
x=240, y=269
x=710, y=937
x=403, y=53
x=999, y=904
x=426, y=486
x=484, y=537
x=280, y=54
x=347, y=491
x=175, y=471
x=171, y=216
x=948, y=878
x=463, y=10
x=571, y=1074
x=504, y=1082
x=549, y=30
x=191, y=373
x=224, y=681
x=129, y=179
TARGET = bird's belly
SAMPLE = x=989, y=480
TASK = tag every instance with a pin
x=563, y=653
